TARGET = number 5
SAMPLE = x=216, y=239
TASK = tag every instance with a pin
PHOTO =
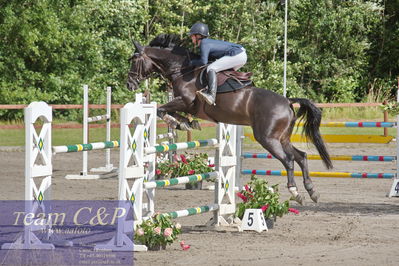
x=250, y=219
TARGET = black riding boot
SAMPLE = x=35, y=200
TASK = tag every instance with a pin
x=210, y=94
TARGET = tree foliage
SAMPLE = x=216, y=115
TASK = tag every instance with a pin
x=338, y=51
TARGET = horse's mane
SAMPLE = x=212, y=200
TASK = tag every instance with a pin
x=173, y=42
x=166, y=41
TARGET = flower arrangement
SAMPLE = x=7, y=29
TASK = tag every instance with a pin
x=258, y=195
x=183, y=165
x=157, y=232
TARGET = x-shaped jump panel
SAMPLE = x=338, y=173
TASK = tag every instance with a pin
x=37, y=166
x=226, y=168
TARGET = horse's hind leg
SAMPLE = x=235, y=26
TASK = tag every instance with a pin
x=285, y=154
x=301, y=159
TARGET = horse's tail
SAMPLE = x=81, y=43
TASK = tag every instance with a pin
x=312, y=119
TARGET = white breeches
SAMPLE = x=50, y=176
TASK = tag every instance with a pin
x=227, y=62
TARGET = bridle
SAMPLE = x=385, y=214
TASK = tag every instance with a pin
x=164, y=74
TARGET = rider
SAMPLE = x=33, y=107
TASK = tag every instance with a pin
x=228, y=55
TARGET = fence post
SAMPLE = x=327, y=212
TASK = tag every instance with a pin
x=385, y=119
x=189, y=135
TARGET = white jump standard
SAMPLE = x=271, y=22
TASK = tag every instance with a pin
x=86, y=120
x=36, y=146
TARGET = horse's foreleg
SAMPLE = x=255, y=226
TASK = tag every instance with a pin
x=301, y=159
x=192, y=124
x=167, y=112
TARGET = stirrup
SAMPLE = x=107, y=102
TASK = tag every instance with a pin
x=208, y=98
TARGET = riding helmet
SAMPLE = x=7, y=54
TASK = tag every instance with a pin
x=199, y=28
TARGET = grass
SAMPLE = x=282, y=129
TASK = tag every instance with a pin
x=16, y=137
x=354, y=114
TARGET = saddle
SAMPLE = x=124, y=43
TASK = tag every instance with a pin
x=228, y=80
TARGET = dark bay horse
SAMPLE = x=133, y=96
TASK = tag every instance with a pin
x=271, y=116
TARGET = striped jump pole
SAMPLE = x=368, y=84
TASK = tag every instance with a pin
x=192, y=211
x=181, y=146
x=373, y=158
x=86, y=147
x=179, y=180
x=355, y=124
x=320, y=174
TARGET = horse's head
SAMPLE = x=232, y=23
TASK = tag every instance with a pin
x=163, y=55
x=141, y=67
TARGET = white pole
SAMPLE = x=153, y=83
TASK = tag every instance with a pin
x=85, y=125
x=397, y=135
x=285, y=48
x=86, y=120
x=108, y=164
x=394, y=192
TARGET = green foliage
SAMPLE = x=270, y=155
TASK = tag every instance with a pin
x=338, y=51
x=257, y=194
x=157, y=231
x=391, y=107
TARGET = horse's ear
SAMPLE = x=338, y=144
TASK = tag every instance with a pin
x=138, y=47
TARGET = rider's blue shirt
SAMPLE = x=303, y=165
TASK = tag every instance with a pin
x=215, y=49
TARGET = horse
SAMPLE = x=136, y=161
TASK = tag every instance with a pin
x=271, y=116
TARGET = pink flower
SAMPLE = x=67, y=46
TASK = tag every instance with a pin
x=157, y=230
x=183, y=159
x=242, y=196
x=158, y=172
x=265, y=207
x=184, y=246
x=168, y=232
x=176, y=158
x=293, y=210
x=191, y=172
x=140, y=232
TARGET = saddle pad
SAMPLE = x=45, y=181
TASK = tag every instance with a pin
x=232, y=85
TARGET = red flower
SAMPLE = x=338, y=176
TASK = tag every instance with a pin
x=293, y=210
x=242, y=196
x=158, y=172
x=248, y=189
x=191, y=172
x=183, y=158
x=211, y=165
x=265, y=207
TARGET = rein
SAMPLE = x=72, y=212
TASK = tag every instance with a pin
x=171, y=72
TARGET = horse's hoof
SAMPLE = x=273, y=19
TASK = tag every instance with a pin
x=300, y=199
x=195, y=125
x=185, y=127
x=315, y=196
